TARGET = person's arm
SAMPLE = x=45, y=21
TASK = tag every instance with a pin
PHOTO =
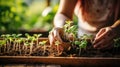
x=116, y=26
x=104, y=38
x=65, y=12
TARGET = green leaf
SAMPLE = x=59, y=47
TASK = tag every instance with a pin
x=77, y=42
x=2, y=42
x=117, y=42
x=83, y=44
x=42, y=43
x=57, y=42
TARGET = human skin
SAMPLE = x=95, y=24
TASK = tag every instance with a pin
x=103, y=38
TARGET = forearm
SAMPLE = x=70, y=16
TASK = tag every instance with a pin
x=116, y=26
x=59, y=20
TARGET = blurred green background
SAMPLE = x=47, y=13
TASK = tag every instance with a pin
x=27, y=15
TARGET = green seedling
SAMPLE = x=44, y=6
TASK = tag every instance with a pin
x=18, y=47
x=43, y=43
x=2, y=43
x=37, y=37
x=57, y=43
x=117, y=42
x=16, y=37
x=31, y=39
x=81, y=44
x=70, y=29
x=5, y=45
x=8, y=42
x=26, y=44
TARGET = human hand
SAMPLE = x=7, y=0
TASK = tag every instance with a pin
x=104, y=38
x=55, y=35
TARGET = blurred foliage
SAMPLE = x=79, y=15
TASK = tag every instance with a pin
x=24, y=14
x=27, y=15
x=11, y=14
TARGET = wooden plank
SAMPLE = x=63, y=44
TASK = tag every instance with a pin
x=73, y=61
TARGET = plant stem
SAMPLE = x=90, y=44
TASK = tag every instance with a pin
x=31, y=46
x=79, y=51
x=44, y=49
x=58, y=49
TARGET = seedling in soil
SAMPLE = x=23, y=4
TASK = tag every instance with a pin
x=82, y=45
x=4, y=37
x=2, y=43
x=117, y=42
x=36, y=37
x=18, y=48
x=9, y=39
x=43, y=43
x=31, y=39
x=57, y=43
x=15, y=43
x=70, y=31
x=25, y=47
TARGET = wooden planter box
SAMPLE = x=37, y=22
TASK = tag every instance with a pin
x=71, y=61
x=64, y=61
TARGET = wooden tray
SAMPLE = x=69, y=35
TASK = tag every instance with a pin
x=71, y=61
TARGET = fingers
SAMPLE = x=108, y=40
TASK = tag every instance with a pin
x=104, y=39
x=57, y=36
x=54, y=35
x=101, y=34
x=51, y=38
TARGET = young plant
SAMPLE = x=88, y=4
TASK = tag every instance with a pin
x=82, y=45
x=37, y=37
x=4, y=38
x=26, y=44
x=2, y=43
x=8, y=42
x=43, y=43
x=57, y=43
x=117, y=42
x=14, y=42
x=18, y=41
x=31, y=39
x=70, y=31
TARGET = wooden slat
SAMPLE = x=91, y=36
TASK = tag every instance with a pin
x=74, y=61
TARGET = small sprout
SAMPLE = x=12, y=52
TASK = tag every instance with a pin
x=83, y=44
x=85, y=36
x=18, y=35
x=37, y=36
x=2, y=42
x=43, y=43
x=117, y=42
x=57, y=43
